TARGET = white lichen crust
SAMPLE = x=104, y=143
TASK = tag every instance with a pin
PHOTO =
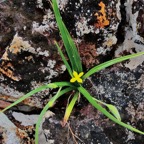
x=134, y=41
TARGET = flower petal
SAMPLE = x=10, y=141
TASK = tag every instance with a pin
x=72, y=80
x=81, y=74
x=75, y=74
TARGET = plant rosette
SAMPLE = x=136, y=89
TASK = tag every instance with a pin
x=77, y=75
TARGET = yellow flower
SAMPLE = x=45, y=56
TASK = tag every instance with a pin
x=76, y=77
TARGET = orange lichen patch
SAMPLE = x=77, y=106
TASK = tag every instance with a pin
x=4, y=104
x=21, y=134
x=17, y=45
x=7, y=69
x=7, y=98
x=101, y=18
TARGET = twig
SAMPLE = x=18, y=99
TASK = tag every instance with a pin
x=73, y=135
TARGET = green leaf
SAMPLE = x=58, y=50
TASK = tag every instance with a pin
x=64, y=59
x=68, y=42
x=105, y=112
x=70, y=108
x=112, y=109
x=26, y=96
x=48, y=105
x=60, y=84
x=109, y=63
x=51, y=85
x=75, y=55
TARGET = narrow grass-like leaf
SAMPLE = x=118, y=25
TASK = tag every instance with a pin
x=105, y=112
x=60, y=84
x=112, y=109
x=51, y=85
x=70, y=108
x=64, y=59
x=48, y=105
x=63, y=33
x=68, y=42
x=109, y=63
x=26, y=96
x=76, y=55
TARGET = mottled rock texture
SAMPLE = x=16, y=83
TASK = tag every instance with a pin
x=102, y=30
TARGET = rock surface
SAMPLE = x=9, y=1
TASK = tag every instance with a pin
x=102, y=30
